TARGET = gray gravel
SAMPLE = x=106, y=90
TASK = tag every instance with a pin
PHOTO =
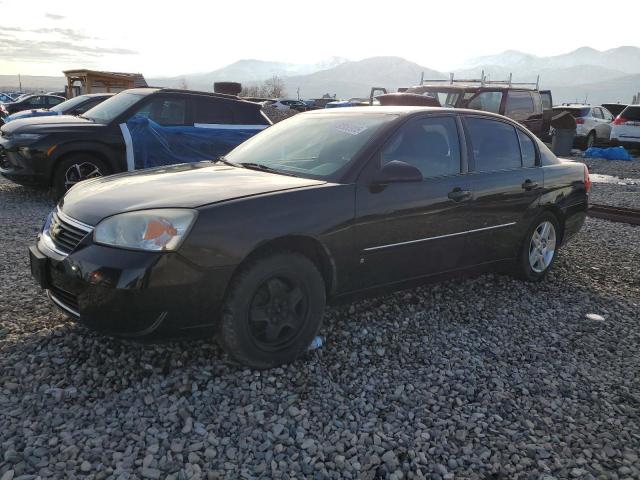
x=617, y=168
x=485, y=377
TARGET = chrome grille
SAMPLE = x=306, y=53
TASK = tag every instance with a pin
x=65, y=232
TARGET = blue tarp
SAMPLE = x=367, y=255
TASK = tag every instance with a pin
x=612, y=153
x=156, y=145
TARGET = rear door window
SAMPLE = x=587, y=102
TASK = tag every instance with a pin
x=54, y=101
x=597, y=113
x=486, y=101
x=212, y=112
x=429, y=144
x=546, y=100
x=495, y=144
x=519, y=105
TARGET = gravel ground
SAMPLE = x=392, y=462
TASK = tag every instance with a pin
x=615, y=182
x=481, y=378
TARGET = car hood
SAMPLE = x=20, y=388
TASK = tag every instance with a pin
x=49, y=124
x=178, y=186
x=42, y=112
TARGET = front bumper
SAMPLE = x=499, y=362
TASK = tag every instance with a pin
x=130, y=293
x=24, y=164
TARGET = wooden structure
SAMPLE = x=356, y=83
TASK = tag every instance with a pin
x=93, y=81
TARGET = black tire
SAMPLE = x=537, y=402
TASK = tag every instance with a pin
x=281, y=296
x=590, y=141
x=87, y=166
x=524, y=268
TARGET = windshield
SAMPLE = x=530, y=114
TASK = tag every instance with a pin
x=112, y=107
x=69, y=104
x=315, y=146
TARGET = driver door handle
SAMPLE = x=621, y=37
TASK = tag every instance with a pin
x=459, y=195
x=529, y=185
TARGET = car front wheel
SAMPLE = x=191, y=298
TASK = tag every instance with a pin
x=272, y=311
x=539, y=248
x=76, y=168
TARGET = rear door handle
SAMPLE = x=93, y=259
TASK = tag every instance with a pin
x=459, y=195
x=529, y=185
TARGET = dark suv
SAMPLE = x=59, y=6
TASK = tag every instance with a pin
x=529, y=106
x=135, y=129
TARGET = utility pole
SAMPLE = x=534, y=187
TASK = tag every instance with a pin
x=20, y=82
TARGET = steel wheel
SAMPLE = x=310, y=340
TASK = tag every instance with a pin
x=542, y=246
x=80, y=171
x=277, y=312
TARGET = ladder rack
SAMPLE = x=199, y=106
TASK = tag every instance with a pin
x=483, y=81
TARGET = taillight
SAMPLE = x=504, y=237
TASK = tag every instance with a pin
x=579, y=121
x=620, y=120
x=587, y=180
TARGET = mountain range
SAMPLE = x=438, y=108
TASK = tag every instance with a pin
x=599, y=76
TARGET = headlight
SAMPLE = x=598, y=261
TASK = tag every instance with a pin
x=156, y=230
x=26, y=137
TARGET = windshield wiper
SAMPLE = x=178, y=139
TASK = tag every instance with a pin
x=265, y=168
x=223, y=159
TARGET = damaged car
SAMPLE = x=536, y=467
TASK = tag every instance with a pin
x=320, y=206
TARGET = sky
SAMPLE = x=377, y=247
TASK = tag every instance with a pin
x=45, y=37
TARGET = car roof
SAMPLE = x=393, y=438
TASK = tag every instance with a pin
x=401, y=110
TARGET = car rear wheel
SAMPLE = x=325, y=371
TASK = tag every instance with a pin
x=76, y=168
x=539, y=248
x=591, y=140
x=272, y=311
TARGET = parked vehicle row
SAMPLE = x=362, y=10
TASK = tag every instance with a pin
x=29, y=102
x=74, y=106
x=597, y=125
x=321, y=205
x=135, y=129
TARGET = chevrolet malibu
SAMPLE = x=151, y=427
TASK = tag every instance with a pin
x=251, y=246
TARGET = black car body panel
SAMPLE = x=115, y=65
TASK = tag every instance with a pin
x=362, y=235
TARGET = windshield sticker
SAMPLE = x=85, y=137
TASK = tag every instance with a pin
x=350, y=128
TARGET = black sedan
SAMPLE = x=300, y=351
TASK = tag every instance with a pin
x=322, y=205
x=30, y=102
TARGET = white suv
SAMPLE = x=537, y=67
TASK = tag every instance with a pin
x=626, y=127
x=593, y=124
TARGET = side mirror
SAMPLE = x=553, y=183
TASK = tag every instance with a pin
x=397, y=172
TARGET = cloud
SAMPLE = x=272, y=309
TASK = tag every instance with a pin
x=63, y=44
x=53, y=16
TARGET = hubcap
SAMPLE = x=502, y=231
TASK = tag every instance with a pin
x=277, y=312
x=80, y=171
x=542, y=247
